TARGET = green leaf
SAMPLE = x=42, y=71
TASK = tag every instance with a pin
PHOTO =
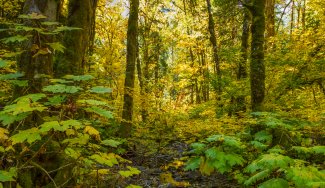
x=31, y=97
x=92, y=102
x=275, y=182
x=301, y=149
x=23, y=107
x=47, y=126
x=214, y=138
x=6, y=176
x=198, y=147
x=234, y=159
x=100, y=111
x=105, y=159
x=132, y=171
x=233, y=142
x=17, y=38
x=318, y=149
x=65, y=28
x=276, y=149
x=72, y=123
x=27, y=28
x=193, y=163
x=4, y=63
x=19, y=83
x=56, y=100
x=212, y=153
x=60, y=88
x=82, y=140
x=29, y=135
x=61, y=81
x=100, y=89
x=112, y=143
x=32, y=16
x=133, y=186
x=257, y=177
x=50, y=23
x=258, y=145
x=72, y=153
x=263, y=136
x=8, y=119
x=270, y=161
x=57, y=46
x=302, y=176
x=79, y=78
x=11, y=76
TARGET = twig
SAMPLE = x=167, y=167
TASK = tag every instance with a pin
x=60, y=168
x=277, y=29
x=40, y=167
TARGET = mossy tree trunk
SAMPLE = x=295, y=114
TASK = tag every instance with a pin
x=270, y=23
x=242, y=67
x=257, y=67
x=270, y=18
x=32, y=63
x=131, y=57
x=78, y=43
x=213, y=40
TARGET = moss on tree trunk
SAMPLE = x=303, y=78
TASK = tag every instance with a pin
x=257, y=68
x=132, y=33
x=78, y=42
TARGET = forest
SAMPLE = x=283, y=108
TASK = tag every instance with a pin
x=162, y=93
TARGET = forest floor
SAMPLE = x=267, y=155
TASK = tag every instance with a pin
x=162, y=154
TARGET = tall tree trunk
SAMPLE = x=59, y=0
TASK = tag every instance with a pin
x=303, y=15
x=270, y=18
x=131, y=56
x=31, y=63
x=242, y=73
x=213, y=41
x=257, y=68
x=270, y=22
x=80, y=42
x=292, y=17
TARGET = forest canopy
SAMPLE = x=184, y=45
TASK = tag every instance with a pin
x=162, y=93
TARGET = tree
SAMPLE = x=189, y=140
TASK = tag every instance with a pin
x=131, y=57
x=81, y=14
x=213, y=41
x=38, y=62
x=270, y=18
x=242, y=72
x=257, y=68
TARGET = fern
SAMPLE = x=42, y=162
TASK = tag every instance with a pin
x=257, y=177
x=275, y=183
x=270, y=161
x=263, y=136
x=304, y=176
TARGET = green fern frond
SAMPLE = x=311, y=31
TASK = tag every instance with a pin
x=275, y=183
x=257, y=177
x=276, y=149
x=318, y=149
x=263, y=136
x=302, y=176
x=270, y=161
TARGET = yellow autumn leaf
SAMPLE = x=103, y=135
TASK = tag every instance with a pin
x=92, y=132
x=3, y=134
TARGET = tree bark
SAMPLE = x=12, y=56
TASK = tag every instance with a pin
x=213, y=40
x=31, y=63
x=242, y=72
x=132, y=33
x=257, y=68
x=270, y=18
x=78, y=43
